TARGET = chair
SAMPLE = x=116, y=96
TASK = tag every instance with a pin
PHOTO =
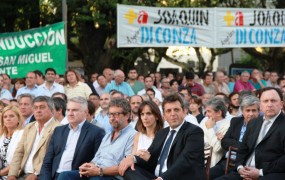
x=231, y=161
x=208, y=155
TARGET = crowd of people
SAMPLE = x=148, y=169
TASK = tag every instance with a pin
x=141, y=127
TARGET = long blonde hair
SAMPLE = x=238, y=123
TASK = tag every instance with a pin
x=16, y=110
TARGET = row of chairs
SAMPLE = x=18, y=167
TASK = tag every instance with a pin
x=208, y=155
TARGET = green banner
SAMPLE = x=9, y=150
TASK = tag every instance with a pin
x=34, y=49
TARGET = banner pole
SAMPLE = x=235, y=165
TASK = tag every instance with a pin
x=64, y=19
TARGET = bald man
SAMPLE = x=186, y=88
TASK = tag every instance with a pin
x=119, y=84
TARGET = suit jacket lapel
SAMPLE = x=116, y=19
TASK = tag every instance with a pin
x=256, y=132
x=179, y=133
x=64, y=137
x=82, y=135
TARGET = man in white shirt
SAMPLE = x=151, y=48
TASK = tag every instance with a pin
x=49, y=87
x=149, y=83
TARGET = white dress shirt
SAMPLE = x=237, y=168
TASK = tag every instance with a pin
x=29, y=168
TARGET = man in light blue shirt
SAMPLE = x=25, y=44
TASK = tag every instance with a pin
x=119, y=84
x=50, y=86
x=102, y=117
x=114, y=147
x=31, y=86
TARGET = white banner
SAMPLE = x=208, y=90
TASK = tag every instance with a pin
x=140, y=26
x=250, y=27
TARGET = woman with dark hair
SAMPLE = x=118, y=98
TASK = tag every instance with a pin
x=18, y=83
x=195, y=108
x=149, y=122
x=174, y=85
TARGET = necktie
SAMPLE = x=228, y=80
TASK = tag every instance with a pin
x=263, y=131
x=165, y=150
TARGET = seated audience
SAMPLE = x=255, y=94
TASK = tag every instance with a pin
x=233, y=137
x=114, y=146
x=177, y=152
x=261, y=153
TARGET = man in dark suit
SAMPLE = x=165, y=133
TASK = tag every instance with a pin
x=233, y=137
x=262, y=152
x=73, y=144
x=177, y=152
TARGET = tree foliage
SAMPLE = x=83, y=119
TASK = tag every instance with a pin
x=92, y=29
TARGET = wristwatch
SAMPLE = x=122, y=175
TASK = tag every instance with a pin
x=100, y=172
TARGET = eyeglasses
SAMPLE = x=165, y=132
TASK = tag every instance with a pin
x=115, y=115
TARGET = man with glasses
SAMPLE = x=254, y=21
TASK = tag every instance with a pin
x=119, y=84
x=177, y=152
x=114, y=146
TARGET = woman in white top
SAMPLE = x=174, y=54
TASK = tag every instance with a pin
x=149, y=122
x=10, y=134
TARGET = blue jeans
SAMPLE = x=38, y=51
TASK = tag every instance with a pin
x=74, y=175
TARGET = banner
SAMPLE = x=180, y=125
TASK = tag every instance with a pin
x=140, y=26
x=35, y=49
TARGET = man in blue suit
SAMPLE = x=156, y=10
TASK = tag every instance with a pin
x=73, y=144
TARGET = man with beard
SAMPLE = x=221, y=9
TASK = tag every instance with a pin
x=135, y=102
x=234, y=104
x=133, y=82
x=114, y=146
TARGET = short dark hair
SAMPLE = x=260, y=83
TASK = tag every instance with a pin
x=38, y=73
x=150, y=89
x=50, y=69
x=173, y=98
x=91, y=107
x=172, y=81
x=61, y=94
x=187, y=89
x=279, y=92
x=59, y=103
x=189, y=75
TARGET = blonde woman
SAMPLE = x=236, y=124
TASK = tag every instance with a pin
x=11, y=133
